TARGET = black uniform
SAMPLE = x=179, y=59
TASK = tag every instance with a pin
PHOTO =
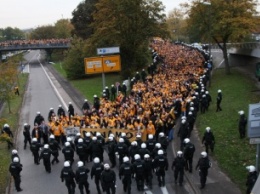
x=150, y=144
x=108, y=181
x=242, y=126
x=133, y=149
x=122, y=150
x=68, y=154
x=27, y=135
x=111, y=146
x=209, y=141
x=251, y=179
x=96, y=171
x=183, y=133
x=138, y=167
x=71, y=110
x=35, y=147
x=188, y=152
x=160, y=165
x=113, y=93
x=38, y=119
x=85, y=107
x=96, y=103
x=96, y=149
x=219, y=99
x=68, y=175
x=55, y=147
x=82, y=179
x=61, y=112
x=126, y=170
x=164, y=142
x=81, y=151
x=178, y=166
x=46, y=156
x=148, y=172
x=203, y=164
x=15, y=169
x=8, y=131
x=87, y=141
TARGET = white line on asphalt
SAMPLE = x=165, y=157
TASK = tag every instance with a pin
x=164, y=190
x=146, y=190
x=28, y=68
x=55, y=89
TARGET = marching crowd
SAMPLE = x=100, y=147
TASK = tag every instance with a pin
x=174, y=87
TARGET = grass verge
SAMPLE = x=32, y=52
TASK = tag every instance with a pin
x=12, y=119
x=232, y=153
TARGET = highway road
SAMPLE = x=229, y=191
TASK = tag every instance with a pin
x=41, y=94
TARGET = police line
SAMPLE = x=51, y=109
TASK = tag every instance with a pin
x=130, y=134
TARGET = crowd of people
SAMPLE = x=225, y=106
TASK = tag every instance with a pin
x=173, y=87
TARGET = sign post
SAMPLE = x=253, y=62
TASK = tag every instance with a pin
x=253, y=131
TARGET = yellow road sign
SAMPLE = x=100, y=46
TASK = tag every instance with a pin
x=93, y=65
x=111, y=63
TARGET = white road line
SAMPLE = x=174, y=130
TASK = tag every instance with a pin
x=55, y=89
x=164, y=190
x=146, y=190
x=28, y=68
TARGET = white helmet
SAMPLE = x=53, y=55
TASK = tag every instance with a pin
x=241, y=112
x=51, y=108
x=70, y=103
x=14, y=152
x=78, y=134
x=111, y=135
x=123, y=135
x=137, y=156
x=38, y=113
x=134, y=143
x=190, y=113
x=96, y=160
x=66, y=164
x=183, y=118
x=146, y=156
x=80, y=163
x=138, y=136
x=88, y=134
x=192, y=108
x=25, y=124
x=143, y=145
x=69, y=139
x=179, y=153
x=161, y=134
x=95, y=96
x=204, y=154
x=110, y=138
x=251, y=168
x=86, y=100
x=186, y=140
x=207, y=129
x=183, y=121
x=16, y=159
x=6, y=125
x=80, y=140
x=125, y=159
x=121, y=140
x=160, y=152
x=34, y=139
x=219, y=91
x=158, y=145
x=46, y=146
x=150, y=136
x=60, y=106
x=67, y=144
x=98, y=134
x=106, y=166
x=94, y=138
x=52, y=137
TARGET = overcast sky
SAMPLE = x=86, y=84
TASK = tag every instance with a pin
x=33, y=13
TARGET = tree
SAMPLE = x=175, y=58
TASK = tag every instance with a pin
x=43, y=32
x=128, y=24
x=11, y=34
x=63, y=28
x=223, y=21
x=82, y=18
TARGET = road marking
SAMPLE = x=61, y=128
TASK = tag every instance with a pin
x=146, y=190
x=164, y=190
x=55, y=89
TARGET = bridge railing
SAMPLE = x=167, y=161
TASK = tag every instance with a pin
x=34, y=46
x=244, y=45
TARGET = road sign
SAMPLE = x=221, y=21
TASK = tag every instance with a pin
x=254, y=120
x=108, y=50
x=254, y=140
x=111, y=63
x=93, y=65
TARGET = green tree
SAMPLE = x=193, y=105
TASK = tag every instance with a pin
x=43, y=32
x=63, y=28
x=82, y=18
x=222, y=21
x=12, y=34
x=128, y=24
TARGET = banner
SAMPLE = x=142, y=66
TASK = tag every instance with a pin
x=71, y=132
x=130, y=134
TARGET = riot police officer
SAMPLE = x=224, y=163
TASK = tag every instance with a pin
x=111, y=146
x=251, y=178
x=148, y=171
x=6, y=130
x=15, y=169
x=143, y=150
x=126, y=170
x=160, y=165
x=242, y=124
x=81, y=150
x=122, y=150
x=208, y=140
x=15, y=154
x=68, y=175
x=81, y=177
x=26, y=134
x=55, y=147
x=150, y=143
x=96, y=171
x=108, y=180
x=35, y=147
x=178, y=166
x=46, y=156
x=87, y=140
x=96, y=149
x=188, y=152
x=138, y=168
x=68, y=153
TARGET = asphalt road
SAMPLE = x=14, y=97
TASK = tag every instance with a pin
x=41, y=94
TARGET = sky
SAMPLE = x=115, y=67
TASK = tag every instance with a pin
x=33, y=13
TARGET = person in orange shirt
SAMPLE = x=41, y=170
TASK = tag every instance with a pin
x=57, y=131
x=150, y=128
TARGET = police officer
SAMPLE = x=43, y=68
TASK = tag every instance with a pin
x=183, y=132
x=68, y=153
x=148, y=171
x=188, y=153
x=6, y=130
x=138, y=167
x=96, y=149
x=150, y=143
x=126, y=140
x=96, y=102
x=160, y=165
x=251, y=178
x=163, y=141
x=72, y=145
x=87, y=142
x=124, y=89
x=242, y=124
x=208, y=140
x=111, y=146
x=133, y=149
x=113, y=92
x=35, y=147
x=81, y=150
x=46, y=156
x=15, y=169
x=70, y=110
x=122, y=150
x=68, y=175
x=85, y=107
x=203, y=164
x=156, y=149
x=61, y=111
x=55, y=147
x=178, y=166
x=126, y=170
x=50, y=114
x=219, y=99
x=96, y=171
x=26, y=134
x=81, y=177
x=78, y=136
x=38, y=118
x=143, y=150
x=108, y=180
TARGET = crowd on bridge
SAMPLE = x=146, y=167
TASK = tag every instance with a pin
x=34, y=42
x=172, y=89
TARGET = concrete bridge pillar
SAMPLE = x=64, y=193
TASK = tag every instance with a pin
x=49, y=53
